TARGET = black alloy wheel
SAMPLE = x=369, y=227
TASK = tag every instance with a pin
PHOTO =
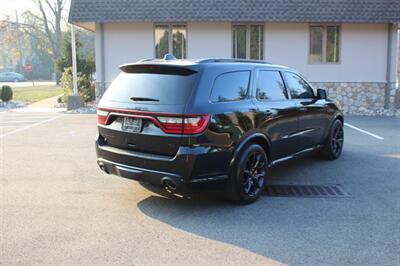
x=334, y=144
x=247, y=178
x=254, y=174
x=337, y=140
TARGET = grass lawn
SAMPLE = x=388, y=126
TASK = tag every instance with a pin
x=36, y=93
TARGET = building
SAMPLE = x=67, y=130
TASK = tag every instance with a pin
x=349, y=47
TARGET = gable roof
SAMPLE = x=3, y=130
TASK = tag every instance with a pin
x=337, y=11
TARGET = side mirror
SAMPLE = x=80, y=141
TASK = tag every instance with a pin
x=321, y=94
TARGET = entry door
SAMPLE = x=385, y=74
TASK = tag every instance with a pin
x=276, y=115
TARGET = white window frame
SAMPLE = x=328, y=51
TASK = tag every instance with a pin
x=324, y=42
x=248, y=39
x=170, y=27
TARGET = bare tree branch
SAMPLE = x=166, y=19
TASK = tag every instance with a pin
x=54, y=35
x=44, y=27
x=50, y=6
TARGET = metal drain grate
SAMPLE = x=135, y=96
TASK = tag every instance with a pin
x=316, y=191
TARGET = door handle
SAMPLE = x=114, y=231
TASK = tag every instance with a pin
x=303, y=109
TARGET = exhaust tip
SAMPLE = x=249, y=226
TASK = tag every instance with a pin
x=169, y=185
x=102, y=167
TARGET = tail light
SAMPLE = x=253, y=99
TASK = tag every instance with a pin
x=102, y=116
x=186, y=124
x=169, y=123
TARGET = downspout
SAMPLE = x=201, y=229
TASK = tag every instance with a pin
x=388, y=65
x=103, y=67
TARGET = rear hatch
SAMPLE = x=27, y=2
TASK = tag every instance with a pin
x=143, y=109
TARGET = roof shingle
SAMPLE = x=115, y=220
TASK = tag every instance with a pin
x=349, y=11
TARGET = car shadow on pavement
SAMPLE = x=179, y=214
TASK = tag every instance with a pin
x=311, y=231
x=272, y=227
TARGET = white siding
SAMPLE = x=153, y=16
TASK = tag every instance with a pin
x=363, y=48
x=207, y=40
x=287, y=44
x=126, y=43
x=363, y=52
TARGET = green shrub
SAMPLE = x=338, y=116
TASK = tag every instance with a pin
x=85, y=87
x=6, y=93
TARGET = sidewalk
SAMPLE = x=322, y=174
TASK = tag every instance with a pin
x=46, y=105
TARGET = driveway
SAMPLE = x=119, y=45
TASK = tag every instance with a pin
x=57, y=207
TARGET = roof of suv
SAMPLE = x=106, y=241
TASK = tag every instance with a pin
x=193, y=62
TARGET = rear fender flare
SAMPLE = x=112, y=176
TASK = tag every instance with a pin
x=243, y=143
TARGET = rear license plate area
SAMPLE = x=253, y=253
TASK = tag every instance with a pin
x=132, y=124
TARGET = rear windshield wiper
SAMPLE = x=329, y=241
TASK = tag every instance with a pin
x=142, y=99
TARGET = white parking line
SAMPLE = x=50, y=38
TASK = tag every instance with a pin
x=10, y=126
x=363, y=131
x=20, y=121
x=31, y=125
x=24, y=116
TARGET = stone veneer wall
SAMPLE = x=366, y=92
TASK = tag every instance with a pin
x=362, y=98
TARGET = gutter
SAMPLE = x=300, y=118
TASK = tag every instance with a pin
x=100, y=67
x=103, y=67
x=388, y=65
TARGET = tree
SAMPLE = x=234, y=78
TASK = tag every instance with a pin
x=43, y=67
x=10, y=54
x=85, y=62
x=85, y=65
x=45, y=27
x=52, y=25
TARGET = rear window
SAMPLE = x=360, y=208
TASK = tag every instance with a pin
x=152, y=87
x=231, y=86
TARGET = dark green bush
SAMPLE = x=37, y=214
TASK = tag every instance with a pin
x=85, y=87
x=6, y=93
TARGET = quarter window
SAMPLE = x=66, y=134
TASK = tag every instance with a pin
x=324, y=44
x=170, y=39
x=270, y=86
x=299, y=88
x=248, y=42
x=231, y=86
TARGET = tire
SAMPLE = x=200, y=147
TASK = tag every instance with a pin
x=333, y=146
x=247, y=175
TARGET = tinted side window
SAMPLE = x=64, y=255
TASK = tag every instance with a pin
x=231, y=86
x=270, y=86
x=299, y=89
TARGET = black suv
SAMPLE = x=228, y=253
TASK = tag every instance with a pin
x=178, y=123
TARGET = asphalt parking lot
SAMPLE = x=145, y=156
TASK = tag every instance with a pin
x=57, y=207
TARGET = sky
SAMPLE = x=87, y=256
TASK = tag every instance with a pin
x=8, y=7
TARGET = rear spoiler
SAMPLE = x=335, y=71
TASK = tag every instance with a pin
x=157, y=69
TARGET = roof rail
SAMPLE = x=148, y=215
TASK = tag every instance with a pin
x=168, y=57
x=228, y=60
x=145, y=60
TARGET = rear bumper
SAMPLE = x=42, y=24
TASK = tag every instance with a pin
x=138, y=174
x=191, y=165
